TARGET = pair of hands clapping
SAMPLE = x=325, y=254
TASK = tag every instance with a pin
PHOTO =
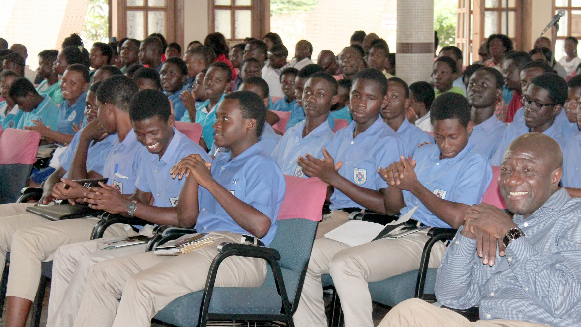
x=193, y=166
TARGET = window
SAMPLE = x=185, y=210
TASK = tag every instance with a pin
x=239, y=19
x=569, y=25
x=139, y=18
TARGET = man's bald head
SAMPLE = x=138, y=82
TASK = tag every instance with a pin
x=530, y=172
x=328, y=61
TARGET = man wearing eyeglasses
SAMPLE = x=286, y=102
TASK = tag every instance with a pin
x=571, y=163
x=543, y=100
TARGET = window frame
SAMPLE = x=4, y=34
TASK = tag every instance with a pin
x=260, y=18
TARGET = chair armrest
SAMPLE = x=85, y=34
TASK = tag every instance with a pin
x=109, y=219
x=375, y=217
x=436, y=234
x=29, y=193
x=248, y=250
x=472, y=314
x=165, y=233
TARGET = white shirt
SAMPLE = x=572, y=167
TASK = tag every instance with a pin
x=272, y=78
x=300, y=64
x=570, y=66
x=425, y=123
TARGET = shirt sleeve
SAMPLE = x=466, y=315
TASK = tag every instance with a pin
x=473, y=182
x=50, y=116
x=263, y=184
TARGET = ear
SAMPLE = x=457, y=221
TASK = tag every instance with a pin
x=334, y=100
x=470, y=127
x=406, y=103
x=266, y=101
x=383, y=102
x=498, y=95
x=557, y=109
x=86, y=87
x=171, y=120
x=250, y=125
x=556, y=176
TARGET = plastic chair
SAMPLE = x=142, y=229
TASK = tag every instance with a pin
x=396, y=289
x=287, y=258
x=17, y=155
x=284, y=117
x=192, y=130
x=340, y=123
x=274, y=99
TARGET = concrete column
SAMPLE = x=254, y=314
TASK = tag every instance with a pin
x=415, y=40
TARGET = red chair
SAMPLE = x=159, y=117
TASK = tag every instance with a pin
x=284, y=117
x=192, y=130
x=492, y=195
x=18, y=149
x=340, y=123
x=274, y=99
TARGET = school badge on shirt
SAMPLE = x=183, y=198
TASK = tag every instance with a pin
x=119, y=186
x=299, y=172
x=440, y=193
x=174, y=201
x=72, y=116
x=11, y=124
x=360, y=176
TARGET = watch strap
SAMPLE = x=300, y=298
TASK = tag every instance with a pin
x=512, y=234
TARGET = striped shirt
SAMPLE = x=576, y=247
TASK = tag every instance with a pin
x=539, y=278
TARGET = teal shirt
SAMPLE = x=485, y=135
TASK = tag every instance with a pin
x=11, y=119
x=53, y=91
x=47, y=112
x=342, y=113
x=206, y=120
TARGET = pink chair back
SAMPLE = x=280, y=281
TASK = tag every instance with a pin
x=284, y=117
x=492, y=195
x=340, y=123
x=18, y=146
x=431, y=133
x=274, y=99
x=192, y=130
x=304, y=198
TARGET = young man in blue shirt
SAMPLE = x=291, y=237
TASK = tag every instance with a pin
x=287, y=83
x=74, y=86
x=312, y=134
x=34, y=106
x=153, y=124
x=393, y=114
x=484, y=91
x=297, y=111
x=442, y=181
x=173, y=75
x=32, y=239
x=241, y=193
x=543, y=101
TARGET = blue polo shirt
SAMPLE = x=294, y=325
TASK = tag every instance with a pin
x=178, y=105
x=154, y=177
x=297, y=115
x=378, y=146
x=12, y=118
x=412, y=136
x=462, y=179
x=268, y=141
x=487, y=136
x=572, y=163
x=254, y=178
x=206, y=119
x=293, y=144
x=47, y=112
x=517, y=129
x=122, y=164
x=96, y=155
x=567, y=128
x=69, y=115
x=283, y=105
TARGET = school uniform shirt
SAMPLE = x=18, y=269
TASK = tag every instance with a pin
x=122, y=164
x=179, y=110
x=206, y=117
x=300, y=64
x=267, y=141
x=47, y=112
x=272, y=78
x=570, y=66
x=10, y=119
x=567, y=128
x=69, y=115
x=54, y=91
x=283, y=104
x=96, y=154
x=516, y=129
x=572, y=163
x=412, y=136
x=154, y=177
x=378, y=146
x=293, y=144
x=254, y=178
x=487, y=136
x=297, y=115
x=425, y=123
x=342, y=113
x=462, y=179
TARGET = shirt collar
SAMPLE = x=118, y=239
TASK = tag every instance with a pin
x=422, y=119
x=251, y=151
x=41, y=105
x=207, y=103
x=555, y=202
x=404, y=126
x=436, y=155
x=373, y=129
x=317, y=131
x=169, y=156
x=488, y=124
x=130, y=140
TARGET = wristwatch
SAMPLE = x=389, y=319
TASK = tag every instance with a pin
x=131, y=207
x=512, y=235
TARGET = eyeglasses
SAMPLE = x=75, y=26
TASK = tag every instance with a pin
x=534, y=104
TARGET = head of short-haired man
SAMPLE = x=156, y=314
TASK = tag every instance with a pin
x=105, y=72
x=23, y=93
x=113, y=102
x=368, y=95
x=530, y=172
x=150, y=51
x=173, y=75
x=152, y=120
x=398, y=94
x=319, y=96
x=573, y=104
x=543, y=101
x=256, y=85
x=239, y=122
x=75, y=82
x=352, y=61
x=450, y=116
x=512, y=64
